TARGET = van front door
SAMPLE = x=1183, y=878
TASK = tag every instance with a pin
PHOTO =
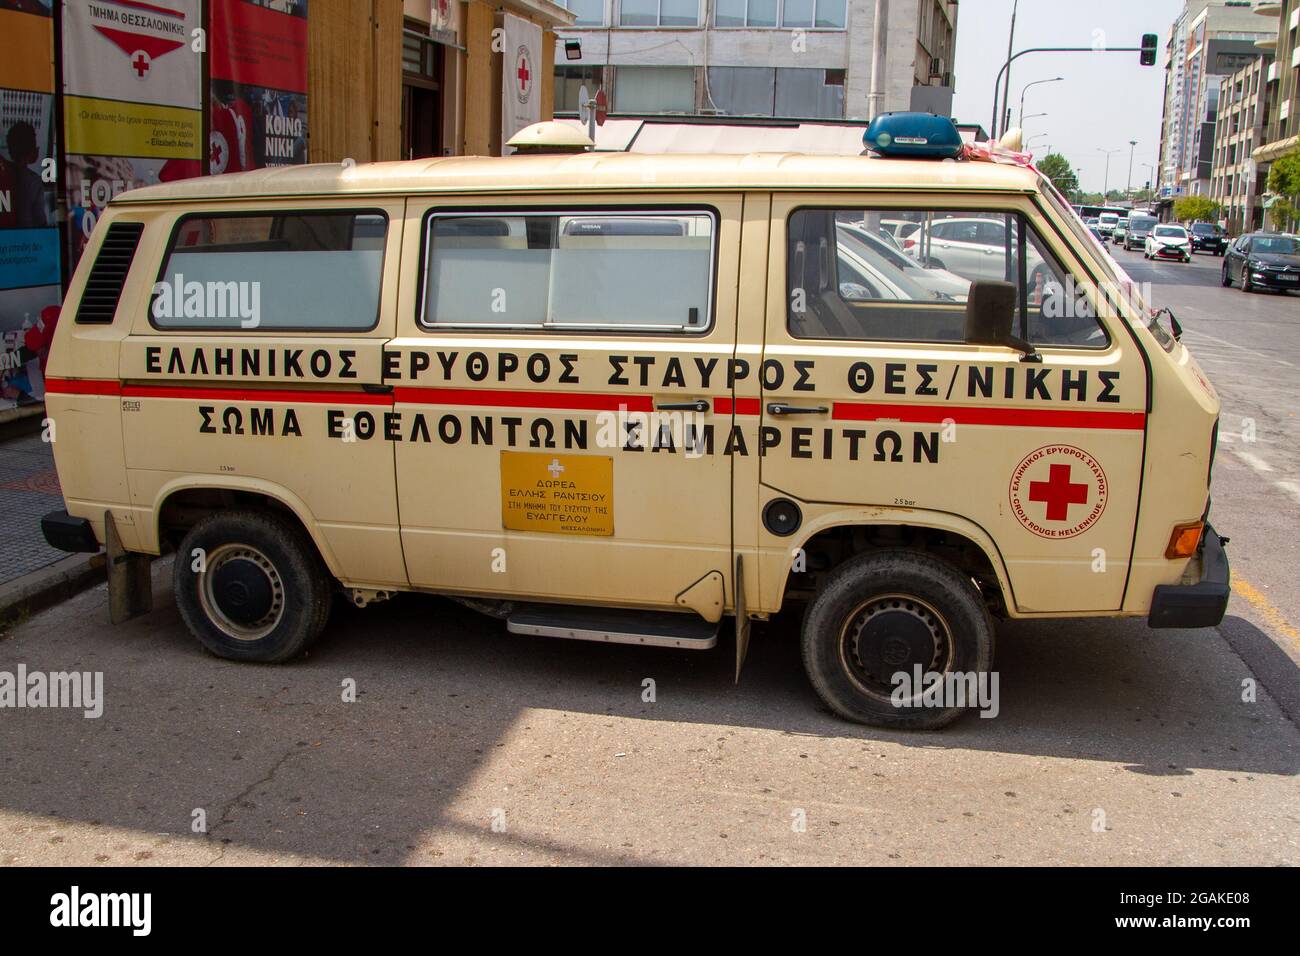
x=874, y=405
x=563, y=380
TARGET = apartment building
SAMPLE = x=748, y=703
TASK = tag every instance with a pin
x=1281, y=124
x=780, y=58
x=1235, y=182
x=1210, y=39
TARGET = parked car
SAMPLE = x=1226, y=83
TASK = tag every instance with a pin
x=1263, y=260
x=973, y=247
x=1139, y=227
x=882, y=255
x=1208, y=237
x=1168, y=242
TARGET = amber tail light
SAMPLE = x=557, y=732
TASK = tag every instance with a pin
x=1185, y=540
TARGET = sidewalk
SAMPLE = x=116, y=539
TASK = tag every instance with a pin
x=29, y=489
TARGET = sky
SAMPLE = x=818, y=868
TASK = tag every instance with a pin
x=1105, y=99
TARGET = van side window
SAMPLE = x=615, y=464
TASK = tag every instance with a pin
x=317, y=271
x=595, y=270
x=905, y=275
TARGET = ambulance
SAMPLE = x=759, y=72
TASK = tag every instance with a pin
x=644, y=399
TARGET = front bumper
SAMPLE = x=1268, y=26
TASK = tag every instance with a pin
x=1209, y=246
x=1196, y=605
x=67, y=533
x=1171, y=252
x=1267, y=279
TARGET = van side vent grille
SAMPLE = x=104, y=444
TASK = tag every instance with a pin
x=108, y=275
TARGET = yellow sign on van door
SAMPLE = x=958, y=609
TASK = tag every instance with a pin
x=559, y=494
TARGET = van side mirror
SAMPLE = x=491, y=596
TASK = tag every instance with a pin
x=990, y=312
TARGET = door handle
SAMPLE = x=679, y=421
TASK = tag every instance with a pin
x=779, y=408
x=699, y=405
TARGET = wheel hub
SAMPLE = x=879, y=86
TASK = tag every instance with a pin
x=241, y=592
x=893, y=634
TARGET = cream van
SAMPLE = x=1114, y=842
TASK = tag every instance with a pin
x=633, y=398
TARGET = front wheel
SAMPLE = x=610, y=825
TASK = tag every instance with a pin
x=881, y=620
x=1225, y=277
x=251, y=587
x=1245, y=280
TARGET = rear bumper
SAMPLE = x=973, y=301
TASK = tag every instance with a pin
x=1196, y=605
x=67, y=533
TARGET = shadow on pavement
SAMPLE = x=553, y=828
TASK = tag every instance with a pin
x=279, y=762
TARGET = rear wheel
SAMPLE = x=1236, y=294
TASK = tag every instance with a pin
x=882, y=618
x=251, y=587
x=1225, y=277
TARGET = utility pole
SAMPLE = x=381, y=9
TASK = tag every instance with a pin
x=1128, y=188
x=1011, y=41
x=879, y=44
x=1106, y=187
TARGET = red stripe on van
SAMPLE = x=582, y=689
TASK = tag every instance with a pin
x=972, y=415
x=82, y=386
x=575, y=401
x=741, y=406
x=255, y=394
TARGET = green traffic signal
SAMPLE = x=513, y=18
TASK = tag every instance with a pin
x=1148, y=55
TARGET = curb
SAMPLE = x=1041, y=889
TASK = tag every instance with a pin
x=21, y=421
x=50, y=585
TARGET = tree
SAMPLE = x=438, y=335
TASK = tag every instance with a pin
x=1195, y=209
x=1056, y=168
x=1281, y=214
x=1284, y=181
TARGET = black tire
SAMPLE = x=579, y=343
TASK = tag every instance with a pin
x=263, y=593
x=921, y=605
x=1225, y=278
x=1245, y=280
x=935, y=263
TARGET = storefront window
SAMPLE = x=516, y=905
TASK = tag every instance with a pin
x=654, y=89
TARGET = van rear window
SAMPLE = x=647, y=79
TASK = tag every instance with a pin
x=617, y=271
x=317, y=271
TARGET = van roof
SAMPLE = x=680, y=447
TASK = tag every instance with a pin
x=587, y=171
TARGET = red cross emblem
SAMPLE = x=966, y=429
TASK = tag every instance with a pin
x=140, y=62
x=1058, y=491
x=523, y=74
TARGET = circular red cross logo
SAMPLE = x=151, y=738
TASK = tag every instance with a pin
x=1058, y=491
x=523, y=74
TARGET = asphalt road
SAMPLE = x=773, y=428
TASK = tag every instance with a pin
x=1115, y=744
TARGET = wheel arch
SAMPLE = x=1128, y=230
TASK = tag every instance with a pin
x=181, y=502
x=832, y=538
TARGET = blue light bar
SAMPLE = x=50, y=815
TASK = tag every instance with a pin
x=920, y=135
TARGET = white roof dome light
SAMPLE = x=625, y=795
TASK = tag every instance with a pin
x=550, y=137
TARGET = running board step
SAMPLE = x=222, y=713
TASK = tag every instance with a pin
x=651, y=628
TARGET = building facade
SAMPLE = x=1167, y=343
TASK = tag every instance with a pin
x=810, y=59
x=1281, y=124
x=1235, y=182
x=1210, y=39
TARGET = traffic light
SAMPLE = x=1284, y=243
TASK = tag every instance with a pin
x=1148, y=55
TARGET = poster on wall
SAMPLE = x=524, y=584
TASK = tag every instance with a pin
x=521, y=96
x=132, y=106
x=258, y=95
x=30, y=292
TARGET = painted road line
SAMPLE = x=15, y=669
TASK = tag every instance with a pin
x=1265, y=608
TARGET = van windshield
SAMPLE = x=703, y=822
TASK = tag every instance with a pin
x=1117, y=283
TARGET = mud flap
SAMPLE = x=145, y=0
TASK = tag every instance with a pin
x=130, y=587
x=742, y=618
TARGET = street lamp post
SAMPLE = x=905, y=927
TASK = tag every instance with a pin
x=1106, y=187
x=1055, y=79
x=1029, y=117
x=1128, y=188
